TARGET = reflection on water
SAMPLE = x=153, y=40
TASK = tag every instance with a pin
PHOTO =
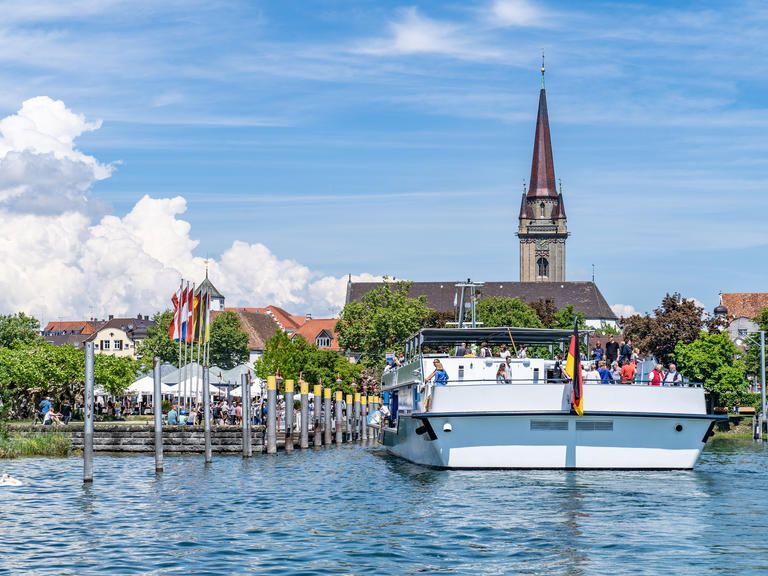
x=356, y=510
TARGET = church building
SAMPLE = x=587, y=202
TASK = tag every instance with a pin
x=543, y=230
x=542, y=233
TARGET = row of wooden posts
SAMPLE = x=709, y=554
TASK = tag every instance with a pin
x=351, y=427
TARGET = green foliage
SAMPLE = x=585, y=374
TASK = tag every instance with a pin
x=545, y=310
x=18, y=330
x=513, y=312
x=296, y=357
x=157, y=343
x=114, y=373
x=567, y=316
x=381, y=322
x=676, y=320
x=711, y=360
x=229, y=343
x=752, y=355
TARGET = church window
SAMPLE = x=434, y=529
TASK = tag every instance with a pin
x=542, y=266
x=542, y=208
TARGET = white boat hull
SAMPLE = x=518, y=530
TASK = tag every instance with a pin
x=560, y=441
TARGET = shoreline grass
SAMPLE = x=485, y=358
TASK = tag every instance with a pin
x=43, y=443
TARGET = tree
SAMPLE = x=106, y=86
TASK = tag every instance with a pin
x=501, y=311
x=114, y=373
x=229, y=344
x=567, y=316
x=381, y=321
x=677, y=320
x=157, y=343
x=18, y=330
x=294, y=357
x=545, y=310
x=711, y=360
x=752, y=355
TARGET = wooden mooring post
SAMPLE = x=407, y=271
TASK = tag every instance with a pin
x=271, y=415
x=364, y=417
x=157, y=407
x=245, y=386
x=304, y=415
x=348, y=417
x=317, y=404
x=327, y=416
x=339, y=428
x=356, y=417
x=88, y=426
x=289, y=415
x=208, y=415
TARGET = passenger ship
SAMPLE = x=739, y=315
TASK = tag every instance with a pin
x=528, y=422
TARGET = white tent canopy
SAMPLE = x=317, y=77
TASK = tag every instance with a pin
x=146, y=385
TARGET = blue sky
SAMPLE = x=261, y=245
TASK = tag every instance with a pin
x=394, y=138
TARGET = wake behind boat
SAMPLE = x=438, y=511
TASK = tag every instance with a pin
x=527, y=419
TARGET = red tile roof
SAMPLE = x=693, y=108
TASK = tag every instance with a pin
x=75, y=326
x=745, y=304
x=259, y=327
x=312, y=328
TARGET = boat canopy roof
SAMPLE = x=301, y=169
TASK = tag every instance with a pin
x=501, y=335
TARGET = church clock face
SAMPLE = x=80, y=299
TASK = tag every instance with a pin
x=542, y=244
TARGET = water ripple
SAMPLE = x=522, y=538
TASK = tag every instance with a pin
x=355, y=510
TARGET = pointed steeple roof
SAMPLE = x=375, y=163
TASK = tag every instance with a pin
x=542, y=183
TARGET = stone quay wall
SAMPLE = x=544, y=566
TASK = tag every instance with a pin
x=141, y=438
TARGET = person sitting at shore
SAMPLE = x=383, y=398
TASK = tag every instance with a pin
x=439, y=374
x=173, y=416
x=51, y=417
x=66, y=411
x=501, y=374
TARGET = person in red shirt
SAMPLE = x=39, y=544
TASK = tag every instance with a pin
x=628, y=372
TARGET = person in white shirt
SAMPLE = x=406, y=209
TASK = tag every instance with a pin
x=592, y=376
x=672, y=377
x=504, y=352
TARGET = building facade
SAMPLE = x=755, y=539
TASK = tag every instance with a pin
x=542, y=229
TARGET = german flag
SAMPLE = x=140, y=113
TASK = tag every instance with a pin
x=573, y=371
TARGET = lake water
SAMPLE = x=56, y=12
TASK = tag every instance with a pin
x=355, y=510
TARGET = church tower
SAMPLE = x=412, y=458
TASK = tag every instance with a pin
x=542, y=230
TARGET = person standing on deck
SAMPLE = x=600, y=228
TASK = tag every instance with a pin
x=628, y=372
x=439, y=374
x=656, y=376
x=611, y=351
x=672, y=377
x=501, y=374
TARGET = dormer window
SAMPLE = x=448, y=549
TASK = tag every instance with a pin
x=323, y=341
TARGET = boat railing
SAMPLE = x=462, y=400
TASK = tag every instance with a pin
x=559, y=381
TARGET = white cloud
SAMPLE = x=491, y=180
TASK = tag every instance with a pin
x=415, y=33
x=56, y=262
x=623, y=310
x=516, y=13
x=41, y=170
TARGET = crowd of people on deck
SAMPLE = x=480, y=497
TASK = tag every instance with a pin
x=614, y=363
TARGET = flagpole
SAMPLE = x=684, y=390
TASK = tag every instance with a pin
x=178, y=335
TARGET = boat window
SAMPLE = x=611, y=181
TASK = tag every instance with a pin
x=594, y=426
x=543, y=425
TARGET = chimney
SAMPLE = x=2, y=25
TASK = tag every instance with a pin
x=138, y=317
x=309, y=316
x=111, y=316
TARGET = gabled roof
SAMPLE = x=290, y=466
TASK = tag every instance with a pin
x=135, y=328
x=584, y=296
x=259, y=327
x=313, y=328
x=745, y=304
x=72, y=327
x=286, y=321
x=207, y=285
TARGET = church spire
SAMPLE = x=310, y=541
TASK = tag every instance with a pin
x=542, y=183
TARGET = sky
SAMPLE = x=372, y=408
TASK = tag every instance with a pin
x=290, y=144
